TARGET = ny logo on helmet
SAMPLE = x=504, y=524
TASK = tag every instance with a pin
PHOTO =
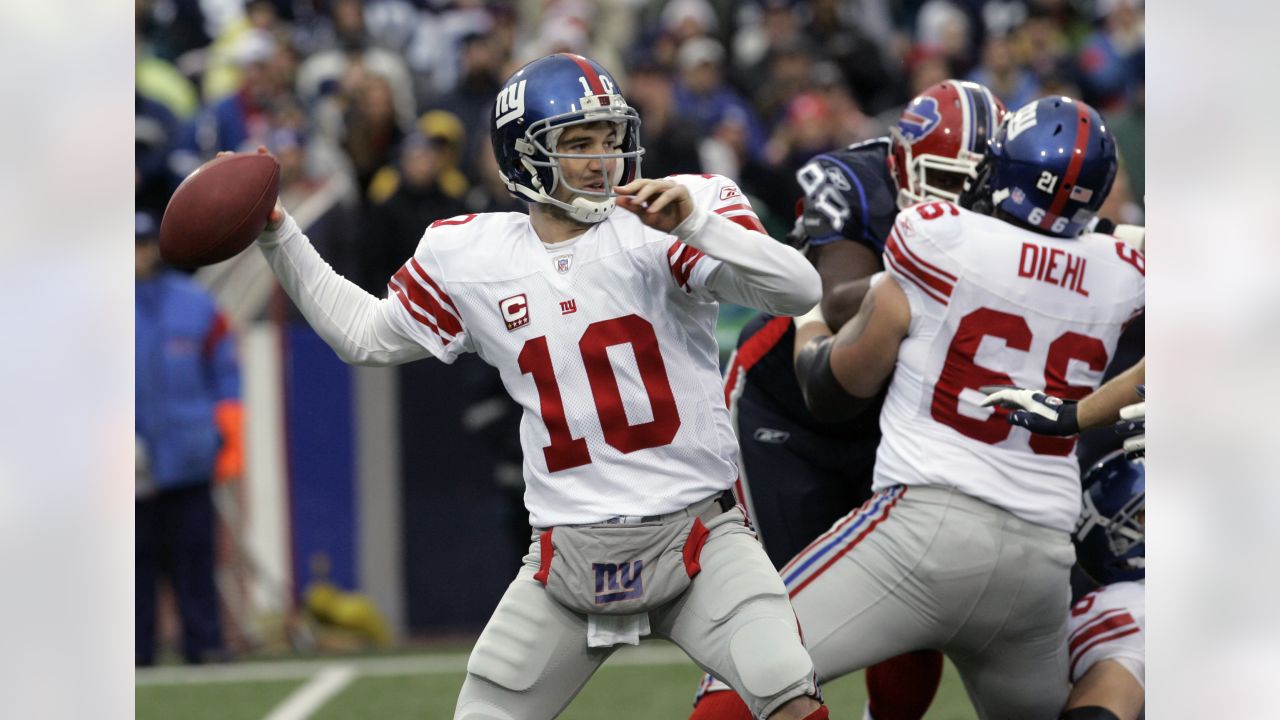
x=919, y=119
x=510, y=103
x=1024, y=119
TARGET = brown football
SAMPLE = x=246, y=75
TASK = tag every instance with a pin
x=219, y=209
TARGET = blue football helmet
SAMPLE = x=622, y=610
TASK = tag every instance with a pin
x=1050, y=166
x=534, y=107
x=1110, y=536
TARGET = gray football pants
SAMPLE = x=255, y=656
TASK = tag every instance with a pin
x=930, y=567
x=734, y=621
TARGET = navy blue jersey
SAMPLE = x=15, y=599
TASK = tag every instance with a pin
x=849, y=195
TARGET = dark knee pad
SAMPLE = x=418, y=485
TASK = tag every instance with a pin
x=1091, y=712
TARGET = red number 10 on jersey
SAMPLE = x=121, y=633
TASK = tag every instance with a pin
x=566, y=451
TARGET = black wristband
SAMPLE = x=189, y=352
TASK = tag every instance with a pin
x=1067, y=418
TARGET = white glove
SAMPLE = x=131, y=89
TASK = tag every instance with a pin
x=1033, y=410
x=1133, y=418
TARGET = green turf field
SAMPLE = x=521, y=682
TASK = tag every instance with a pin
x=654, y=681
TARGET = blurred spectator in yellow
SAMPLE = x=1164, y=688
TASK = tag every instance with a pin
x=157, y=79
x=670, y=140
x=188, y=436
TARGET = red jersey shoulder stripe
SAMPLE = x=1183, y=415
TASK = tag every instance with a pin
x=681, y=259
x=439, y=292
x=1109, y=620
x=742, y=214
x=1079, y=654
x=939, y=272
x=421, y=303
x=399, y=291
x=935, y=288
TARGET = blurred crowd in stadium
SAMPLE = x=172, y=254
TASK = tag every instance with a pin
x=381, y=105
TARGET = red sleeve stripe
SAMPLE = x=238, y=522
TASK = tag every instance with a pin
x=1106, y=622
x=394, y=287
x=750, y=222
x=903, y=267
x=681, y=258
x=924, y=288
x=1100, y=618
x=440, y=293
x=939, y=272
x=1078, y=655
x=909, y=261
x=742, y=214
x=424, y=303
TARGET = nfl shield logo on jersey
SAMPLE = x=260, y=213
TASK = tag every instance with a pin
x=562, y=263
x=515, y=311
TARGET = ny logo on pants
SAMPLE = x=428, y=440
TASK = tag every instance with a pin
x=619, y=581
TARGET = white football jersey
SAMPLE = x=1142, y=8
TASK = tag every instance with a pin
x=607, y=341
x=994, y=304
x=1110, y=624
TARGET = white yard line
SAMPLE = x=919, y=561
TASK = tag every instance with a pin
x=304, y=701
x=647, y=654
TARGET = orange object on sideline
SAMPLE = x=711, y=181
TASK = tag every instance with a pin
x=228, y=415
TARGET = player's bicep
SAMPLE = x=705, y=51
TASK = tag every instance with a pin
x=865, y=350
x=845, y=268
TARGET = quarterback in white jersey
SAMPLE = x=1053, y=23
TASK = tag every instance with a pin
x=601, y=324
x=966, y=546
